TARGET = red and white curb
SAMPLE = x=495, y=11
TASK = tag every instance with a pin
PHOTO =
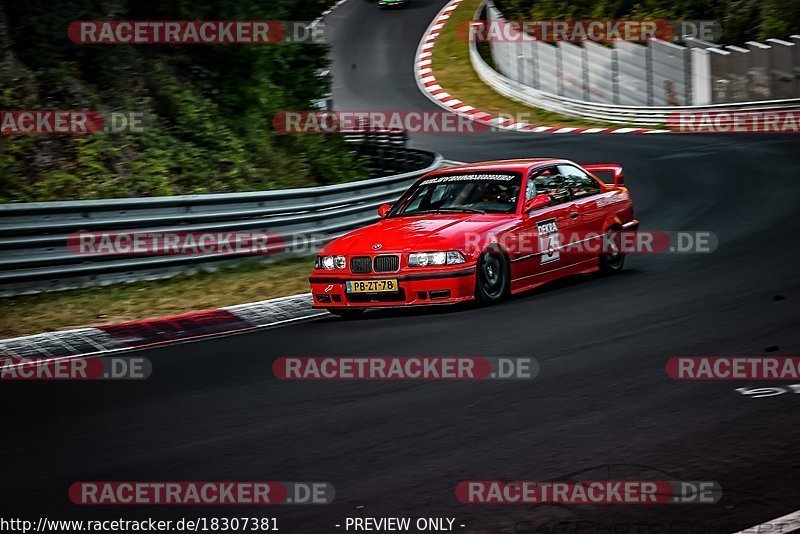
x=94, y=341
x=426, y=81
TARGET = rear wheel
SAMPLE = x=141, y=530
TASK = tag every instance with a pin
x=611, y=260
x=492, y=277
x=345, y=313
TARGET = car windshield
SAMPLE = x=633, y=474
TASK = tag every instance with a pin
x=463, y=193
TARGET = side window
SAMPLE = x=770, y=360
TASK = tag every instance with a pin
x=579, y=183
x=548, y=182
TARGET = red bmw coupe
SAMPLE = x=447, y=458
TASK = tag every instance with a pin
x=481, y=232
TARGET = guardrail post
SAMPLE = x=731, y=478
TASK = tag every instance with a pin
x=615, y=76
x=737, y=66
x=648, y=58
x=585, y=74
x=559, y=72
x=701, y=77
x=720, y=69
x=687, y=75
x=758, y=74
x=796, y=65
x=782, y=67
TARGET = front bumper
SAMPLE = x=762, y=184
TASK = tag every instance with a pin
x=415, y=289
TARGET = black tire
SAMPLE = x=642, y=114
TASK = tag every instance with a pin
x=611, y=262
x=344, y=313
x=492, y=277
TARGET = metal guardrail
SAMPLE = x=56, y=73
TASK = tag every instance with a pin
x=647, y=116
x=34, y=256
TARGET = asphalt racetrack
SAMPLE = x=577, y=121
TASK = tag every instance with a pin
x=602, y=406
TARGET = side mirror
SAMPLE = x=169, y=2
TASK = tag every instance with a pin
x=384, y=209
x=539, y=201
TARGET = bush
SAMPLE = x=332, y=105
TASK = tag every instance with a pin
x=208, y=109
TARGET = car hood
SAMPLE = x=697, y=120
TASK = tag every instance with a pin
x=418, y=233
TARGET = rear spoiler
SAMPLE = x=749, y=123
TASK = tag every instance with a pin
x=615, y=170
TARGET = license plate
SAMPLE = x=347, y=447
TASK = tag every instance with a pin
x=371, y=286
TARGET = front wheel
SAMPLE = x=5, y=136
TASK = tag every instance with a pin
x=611, y=260
x=492, y=278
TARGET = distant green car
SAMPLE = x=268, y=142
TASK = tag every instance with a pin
x=391, y=3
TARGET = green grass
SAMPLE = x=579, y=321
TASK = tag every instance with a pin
x=248, y=282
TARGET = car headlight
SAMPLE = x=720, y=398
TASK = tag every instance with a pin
x=330, y=262
x=423, y=259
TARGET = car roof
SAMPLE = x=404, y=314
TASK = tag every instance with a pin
x=519, y=165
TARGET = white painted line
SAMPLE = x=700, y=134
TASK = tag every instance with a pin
x=624, y=130
x=434, y=87
x=426, y=70
x=427, y=79
x=427, y=46
x=424, y=62
x=565, y=130
x=792, y=521
x=452, y=102
x=593, y=130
